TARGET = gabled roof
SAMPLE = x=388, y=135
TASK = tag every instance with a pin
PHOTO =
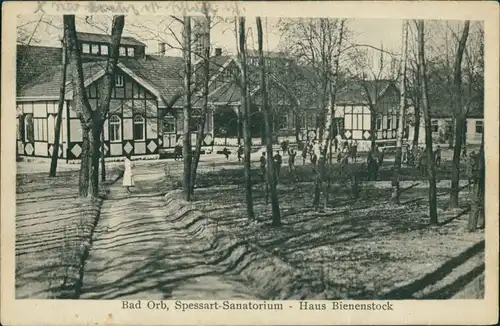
x=103, y=38
x=358, y=92
x=162, y=75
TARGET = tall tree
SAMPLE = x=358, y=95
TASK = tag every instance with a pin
x=60, y=105
x=326, y=130
x=205, y=81
x=459, y=115
x=91, y=120
x=428, y=130
x=402, y=113
x=247, y=140
x=269, y=138
x=186, y=148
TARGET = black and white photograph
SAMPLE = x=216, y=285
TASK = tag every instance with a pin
x=246, y=159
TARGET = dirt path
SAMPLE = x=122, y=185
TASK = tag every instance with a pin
x=136, y=254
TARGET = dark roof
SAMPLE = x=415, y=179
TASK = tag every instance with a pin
x=48, y=83
x=34, y=60
x=103, y=38
x=164, y=73
x=355, y=91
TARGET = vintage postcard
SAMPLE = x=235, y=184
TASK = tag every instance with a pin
x=249, y=163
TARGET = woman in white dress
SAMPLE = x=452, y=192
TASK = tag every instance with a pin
x=128, y=178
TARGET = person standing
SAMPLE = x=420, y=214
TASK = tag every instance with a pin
x=128, y=177
x=263, y=166
x=240, y=153
x=291, y=160
x=277, y=160
x=354, y=151
x=437, y=156
x=304, y=154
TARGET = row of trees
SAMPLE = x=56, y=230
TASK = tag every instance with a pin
x=323, y=45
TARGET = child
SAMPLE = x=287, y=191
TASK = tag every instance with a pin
x=128, y=178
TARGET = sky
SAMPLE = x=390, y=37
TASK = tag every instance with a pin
x=367, y=31
x=374, y=32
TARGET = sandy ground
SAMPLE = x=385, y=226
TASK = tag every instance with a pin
x=138, y=254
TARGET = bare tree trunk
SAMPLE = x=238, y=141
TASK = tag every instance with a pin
x=103, y=156
x=82, y=105
x=95, y=144
x=402, y=109
x=91, y=120
x=85, y=163
x=246, y=123
x=186, y=148
x=459, y=116
x=325, y=134
x=477, y=194
x=60, y=105
x=271, y=177
x=428, y=130
x=206, y=79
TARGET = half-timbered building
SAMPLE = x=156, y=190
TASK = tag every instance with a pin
x=145, y=115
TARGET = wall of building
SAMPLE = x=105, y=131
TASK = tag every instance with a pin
x=36, y=129
x=473, y=136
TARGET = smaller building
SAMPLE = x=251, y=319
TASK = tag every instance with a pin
x=442, y=126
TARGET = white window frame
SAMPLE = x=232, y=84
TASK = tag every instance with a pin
x=86, y=48
x=139, y=120
x=115, y=122
x=118, y=80
x=130, y=52
x=123, y=51
x=104, y=49
x=94, y=48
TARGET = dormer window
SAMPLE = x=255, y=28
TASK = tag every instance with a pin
x=123, y=51
x=104, y=49
x=85, y=48
x=95, y=49
x=130, y=52
x=118, y=80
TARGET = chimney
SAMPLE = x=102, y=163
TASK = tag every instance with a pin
x=218, y=52
x=161, y=48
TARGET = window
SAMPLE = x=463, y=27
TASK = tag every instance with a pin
x=118, y=80
x=379, y=123
x=389, y=122
x=138, y=127
x=169, y=123
x=85, y=48
x=115, y=128
x=283, y=122
x=434, y=125
x=195, y=121
x=123, y=51
x=104, y=49
x=95, y=49
x=479, y=127
x=29, y=131
x=130, y=52
x=40, y=129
